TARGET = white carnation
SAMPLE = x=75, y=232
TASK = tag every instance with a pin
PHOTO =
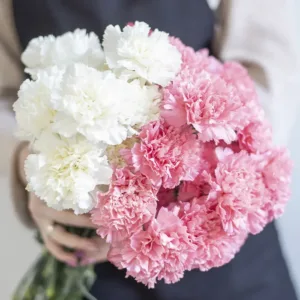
x=33, y=108
x=78, y=46
x=151, y=56
x=65, y=176
x=100, y=106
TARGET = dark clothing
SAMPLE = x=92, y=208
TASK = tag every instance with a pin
x=190, y=20
x=258, y=272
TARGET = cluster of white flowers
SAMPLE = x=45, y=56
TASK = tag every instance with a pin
x=82, y=99
x=62, y=51
x=101, y=106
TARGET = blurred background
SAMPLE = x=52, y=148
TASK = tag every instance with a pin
x=18, y=248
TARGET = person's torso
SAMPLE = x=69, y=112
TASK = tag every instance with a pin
x=190, y=20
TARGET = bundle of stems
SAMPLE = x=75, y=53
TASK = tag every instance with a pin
x=51, y=279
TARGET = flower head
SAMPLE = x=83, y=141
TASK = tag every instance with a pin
x=62, y=51
x=150, y=55
x=128, y=205
x=65, y=176
x=214, y=246
x=166, y=154
x=207, y=102
x=162, y=251
x=241, y=193
x=33, y=109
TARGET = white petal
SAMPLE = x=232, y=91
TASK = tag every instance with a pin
x=110, y=44
x=65, y=125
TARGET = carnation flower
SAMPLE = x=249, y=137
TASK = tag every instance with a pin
x=241, y=193
x=208, y=103
x=277, y=174
x=62, y=51
x=129, y=204
x=163, y=251
x=33, y=109
x=64, y=176
x=214, y=247
x=102, y=107
x=150, y=56
x=256, y=137
x=166, y=154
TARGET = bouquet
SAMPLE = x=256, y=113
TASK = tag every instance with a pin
x=166, y=147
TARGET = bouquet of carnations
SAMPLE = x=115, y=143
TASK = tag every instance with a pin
x=172, y=143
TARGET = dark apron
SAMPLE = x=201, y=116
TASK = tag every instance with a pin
x=258, y=272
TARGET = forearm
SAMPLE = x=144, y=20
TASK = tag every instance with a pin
x=18, y=185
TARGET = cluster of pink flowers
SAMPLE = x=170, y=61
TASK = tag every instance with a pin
x=198, y=180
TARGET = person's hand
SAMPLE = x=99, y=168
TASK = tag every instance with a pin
x=55, y=237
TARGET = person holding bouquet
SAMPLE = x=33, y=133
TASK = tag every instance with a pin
x=238, y=31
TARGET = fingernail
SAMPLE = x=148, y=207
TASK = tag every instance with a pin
x=88, y=261
x=71, y=263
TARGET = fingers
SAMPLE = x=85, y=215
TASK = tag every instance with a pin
x=56, y=238
x=69, y=218
x=73, y=241
x=39, y=210
x=59, y=253
x=47, y=229
x=98, y=256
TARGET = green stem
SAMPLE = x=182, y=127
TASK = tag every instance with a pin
x=84, y=290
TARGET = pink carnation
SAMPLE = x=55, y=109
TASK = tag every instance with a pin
x=163, y=251
x=277, y=173
x=166, y=154
x=214, y=246
x=207, y=102
x=241, y=193
x=256, y=137
x=129, y=204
